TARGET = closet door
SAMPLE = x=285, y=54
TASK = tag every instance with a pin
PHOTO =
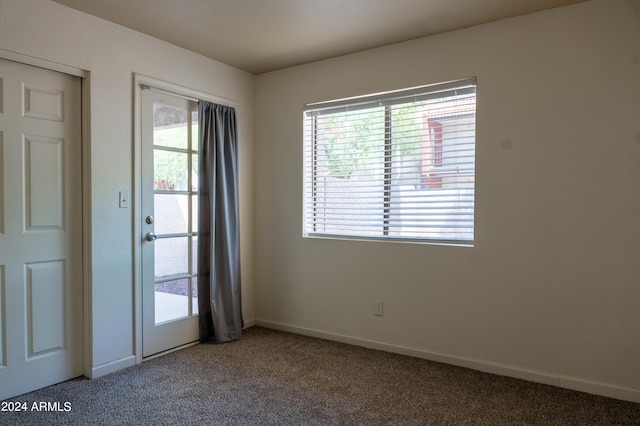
x=40, y=228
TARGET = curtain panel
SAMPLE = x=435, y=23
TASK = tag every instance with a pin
x=219, y=298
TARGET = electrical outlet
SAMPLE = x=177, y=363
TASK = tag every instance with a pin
x=377, y=308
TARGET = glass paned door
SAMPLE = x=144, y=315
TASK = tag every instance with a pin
x=169, y=210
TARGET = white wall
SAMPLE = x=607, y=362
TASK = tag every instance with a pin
x=550, y=291
x=112, y=54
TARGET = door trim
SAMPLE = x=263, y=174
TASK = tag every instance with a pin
x=43, y=63
x=85, y=165
x=177, y=90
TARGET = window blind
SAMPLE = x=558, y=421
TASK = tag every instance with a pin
x=393, y=166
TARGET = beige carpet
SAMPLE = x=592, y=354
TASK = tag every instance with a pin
x=276, y=378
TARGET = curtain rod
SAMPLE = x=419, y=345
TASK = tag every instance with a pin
x=166, y=92
x=160, y=86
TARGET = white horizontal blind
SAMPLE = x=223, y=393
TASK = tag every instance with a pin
x=396, y=166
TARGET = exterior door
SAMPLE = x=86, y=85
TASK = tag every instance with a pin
x=169, y=191
x=40, y=229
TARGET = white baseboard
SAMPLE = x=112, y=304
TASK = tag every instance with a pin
x=112, y=367
x=597, y=388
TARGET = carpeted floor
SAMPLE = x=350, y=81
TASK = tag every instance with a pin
x=276, y=378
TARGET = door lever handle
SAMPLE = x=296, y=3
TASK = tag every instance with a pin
x=150, y=236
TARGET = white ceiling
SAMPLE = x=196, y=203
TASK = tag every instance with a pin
x=264, y=35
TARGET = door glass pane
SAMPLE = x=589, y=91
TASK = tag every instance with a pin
x=194, y=278
x=194, y=294
x=195, y=137
x=172, y=213
x=194, y=213
x=170, y=126
x=194, y=172
x=194, y=254
x=172, y=300
x=170, y=170
x=171, y=256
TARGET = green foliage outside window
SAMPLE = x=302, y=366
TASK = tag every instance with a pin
x=170, y=167
x=354, y=141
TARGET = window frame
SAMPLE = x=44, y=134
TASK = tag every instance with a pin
x=387, y=99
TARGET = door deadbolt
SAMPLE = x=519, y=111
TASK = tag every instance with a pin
x=149, y=220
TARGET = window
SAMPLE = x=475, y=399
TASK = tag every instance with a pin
x=392, y=166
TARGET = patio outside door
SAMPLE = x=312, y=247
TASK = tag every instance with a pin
x=169, y=209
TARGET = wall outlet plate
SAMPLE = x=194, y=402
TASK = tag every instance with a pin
x=377, y=308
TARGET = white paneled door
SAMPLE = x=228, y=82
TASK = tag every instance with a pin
x=40, y=228
x=169, y=180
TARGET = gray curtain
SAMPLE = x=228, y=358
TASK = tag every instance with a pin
x=219, y=301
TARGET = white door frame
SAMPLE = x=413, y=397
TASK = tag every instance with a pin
x=85, y=165
x=138, y=81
